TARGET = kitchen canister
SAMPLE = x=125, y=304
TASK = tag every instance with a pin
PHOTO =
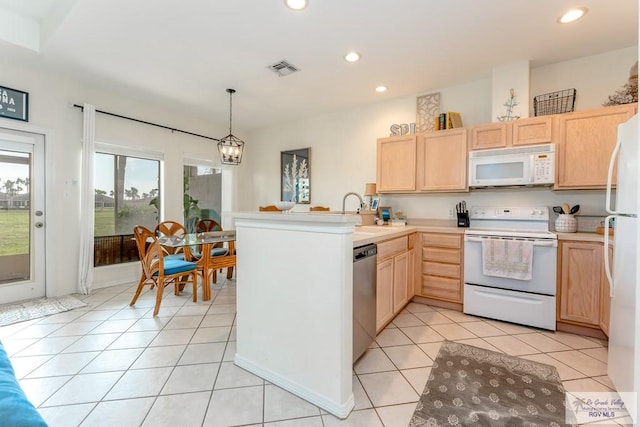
x=566, y=223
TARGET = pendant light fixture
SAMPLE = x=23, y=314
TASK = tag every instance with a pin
x=230, y=148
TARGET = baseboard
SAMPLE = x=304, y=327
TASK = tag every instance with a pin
x=581, y=330
x=341, y=411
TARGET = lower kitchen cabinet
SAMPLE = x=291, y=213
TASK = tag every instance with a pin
x=581, y=283
x=394, y=277
x=442, y=256
x=384, y=293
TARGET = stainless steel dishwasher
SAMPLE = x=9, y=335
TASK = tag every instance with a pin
x=364, y=298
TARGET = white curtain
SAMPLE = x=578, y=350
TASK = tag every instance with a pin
x=85, y=273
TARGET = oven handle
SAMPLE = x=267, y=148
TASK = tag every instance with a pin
x=542, y=243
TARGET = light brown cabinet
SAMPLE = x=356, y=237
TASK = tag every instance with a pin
x=529, y=131
x=395, y=267
x=396, y=164
x=442, y=161
x=429, y=162
x=442, y=256
x=384, y=293
x=490, y=135
x=581, y=276
x=586, y=141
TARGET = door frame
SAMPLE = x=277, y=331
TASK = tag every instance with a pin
x=50, y=289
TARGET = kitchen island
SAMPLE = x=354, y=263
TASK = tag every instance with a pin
x=295, y=302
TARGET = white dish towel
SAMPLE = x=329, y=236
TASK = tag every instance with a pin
x=508, y=258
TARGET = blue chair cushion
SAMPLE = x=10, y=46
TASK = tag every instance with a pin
x=219, y=251
x=15, y=409
x=173, y=266
x=179, y=256
x=214, y=252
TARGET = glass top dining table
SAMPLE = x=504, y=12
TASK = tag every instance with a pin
x=209, y=264
x=208, y=237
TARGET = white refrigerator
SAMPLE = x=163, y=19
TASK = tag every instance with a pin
x=623, y=276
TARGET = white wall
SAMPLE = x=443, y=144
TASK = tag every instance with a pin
x=343, y=144
x=594, y=77
x=50, y=99
x=342, y=159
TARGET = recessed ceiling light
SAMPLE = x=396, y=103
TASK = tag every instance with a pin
x=352, y=57
x=573, y=15
x=296, y=4
x=381, y=89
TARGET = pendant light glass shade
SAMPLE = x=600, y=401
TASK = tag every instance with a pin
x=230, y=147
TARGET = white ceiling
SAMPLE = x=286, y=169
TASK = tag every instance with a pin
x=186, y=53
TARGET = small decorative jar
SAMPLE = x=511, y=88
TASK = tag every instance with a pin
x=566, y=223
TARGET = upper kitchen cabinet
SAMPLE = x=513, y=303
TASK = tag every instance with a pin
x=492, y=135
x=586, y=141
x=534, y=130
x=529, y=131
x=396, y=164
x=429, y=162
x=442, y=161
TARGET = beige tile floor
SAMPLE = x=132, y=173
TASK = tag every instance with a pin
x=109, y=364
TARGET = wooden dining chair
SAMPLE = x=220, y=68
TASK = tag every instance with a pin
x=186, y=253
x=159, y=271
x=206, y=225
x=269, y=208
x=318, y=208
x=170, y=229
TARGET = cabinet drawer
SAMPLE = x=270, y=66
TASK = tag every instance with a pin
x=442, y=240
x=452, y=256
x=441, y=287
x=392, y=247
x=440, y=269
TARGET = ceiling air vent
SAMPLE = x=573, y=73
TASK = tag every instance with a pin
x=283, y=68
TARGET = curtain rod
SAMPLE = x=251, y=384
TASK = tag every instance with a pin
x=149, y=123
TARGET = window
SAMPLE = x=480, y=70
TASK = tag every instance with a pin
x=127, y=193
x=202, y=194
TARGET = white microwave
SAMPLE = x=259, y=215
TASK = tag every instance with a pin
x=521, y=166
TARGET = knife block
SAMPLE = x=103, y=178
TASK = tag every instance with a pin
x=463, y=219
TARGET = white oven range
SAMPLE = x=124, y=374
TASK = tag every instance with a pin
x=523, y=287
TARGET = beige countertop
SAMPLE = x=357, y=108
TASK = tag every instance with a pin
x=379, y=233
x=583, y=237
x=376, y=234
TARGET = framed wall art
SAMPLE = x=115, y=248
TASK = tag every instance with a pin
x=295, y=173
x=14, y=104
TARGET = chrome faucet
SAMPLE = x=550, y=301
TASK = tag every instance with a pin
x=344, y=199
